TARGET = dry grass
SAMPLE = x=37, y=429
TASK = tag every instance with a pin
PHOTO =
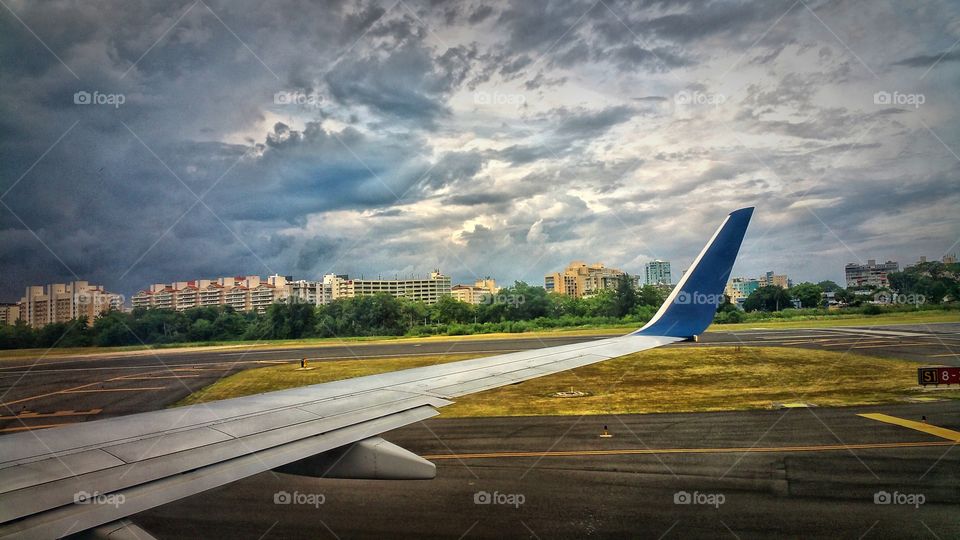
x=661, y=380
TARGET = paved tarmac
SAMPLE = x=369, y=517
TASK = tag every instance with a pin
x=731, y=467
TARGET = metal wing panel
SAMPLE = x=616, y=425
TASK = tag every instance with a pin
x=39, y=497
x=39, y=472
x=76, y=517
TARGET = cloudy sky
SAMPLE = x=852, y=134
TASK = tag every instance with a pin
x=148, y=142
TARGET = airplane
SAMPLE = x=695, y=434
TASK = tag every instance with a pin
x=91, y=476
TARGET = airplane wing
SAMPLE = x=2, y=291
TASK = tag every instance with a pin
x=90, y=476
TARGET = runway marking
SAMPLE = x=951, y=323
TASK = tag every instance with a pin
x=944, y=433
x=895, y=345
x=852, y=343
x=29, y=428
x=942, y=355
x=651, y=451
x=113, y=390
x=29, y=415
x=136, y=378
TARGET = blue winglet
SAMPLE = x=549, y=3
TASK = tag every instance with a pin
x=690, y=307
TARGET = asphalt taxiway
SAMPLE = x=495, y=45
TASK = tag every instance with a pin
x=794, y=473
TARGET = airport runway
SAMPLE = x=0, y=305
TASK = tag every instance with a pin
x=732, y=466
x=39, y=392
x=787, y=473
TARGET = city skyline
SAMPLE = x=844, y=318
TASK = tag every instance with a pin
x=639, y=277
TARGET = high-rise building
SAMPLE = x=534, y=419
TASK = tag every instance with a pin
x=872, y=274
x=778, y=280
x=9, y=313
x=63, y=302
x=426, y=290
x=478, y=293
x=580, y=279
x=242, y=293
x=657, y=273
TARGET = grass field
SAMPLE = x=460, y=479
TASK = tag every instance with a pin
x=806, y=322
x=661, y=380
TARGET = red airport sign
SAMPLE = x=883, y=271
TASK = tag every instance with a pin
x=938, y=375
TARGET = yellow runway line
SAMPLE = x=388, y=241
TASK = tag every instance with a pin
x=158, y=377
x=944, y=433
x=28, y=428
x=29, y=415
x=113, y=390
x=647, y=451
x=896, y=345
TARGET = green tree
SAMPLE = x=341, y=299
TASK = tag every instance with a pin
x=829, y=286
x=17, y=336
x=625, y=296
x=450, y=310
x=769, y=298
x=602, y=304
x=650, y=296
x=808, y=294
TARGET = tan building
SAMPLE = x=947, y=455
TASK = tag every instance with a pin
x=580, y=279
x=63, y=302
x=777, y=280
x=426, y=290
x=9, y=313
x=242, y=293
x=478, y=293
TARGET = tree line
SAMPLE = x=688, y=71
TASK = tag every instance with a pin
x=519, y=308
x=933, y=283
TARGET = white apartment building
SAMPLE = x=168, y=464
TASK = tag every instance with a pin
x=426, y=290
x=242, y=293
x=63, y=302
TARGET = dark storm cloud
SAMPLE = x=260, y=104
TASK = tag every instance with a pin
x=396, y=150
x=928, y=60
